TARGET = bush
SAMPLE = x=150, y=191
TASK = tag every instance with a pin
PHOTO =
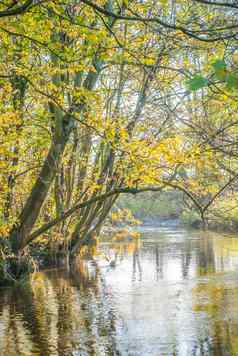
x=191, y=218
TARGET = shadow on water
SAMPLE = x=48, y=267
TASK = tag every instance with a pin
x=172, y=292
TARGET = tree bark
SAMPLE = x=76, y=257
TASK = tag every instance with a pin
x=19, y=235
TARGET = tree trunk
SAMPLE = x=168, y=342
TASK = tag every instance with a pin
x=20, y=233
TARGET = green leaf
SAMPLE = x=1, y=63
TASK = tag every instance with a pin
x=197, y=82
x=231, y=81
x=219, y=67
x=219, y=64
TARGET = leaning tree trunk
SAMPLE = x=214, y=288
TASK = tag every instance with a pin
x=20, y=233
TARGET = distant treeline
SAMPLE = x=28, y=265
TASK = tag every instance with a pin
x=154, y=206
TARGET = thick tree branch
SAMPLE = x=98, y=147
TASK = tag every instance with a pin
x=17, y=10
x=216, y=3
x=78, y=206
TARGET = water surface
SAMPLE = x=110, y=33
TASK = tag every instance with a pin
x=172, y=292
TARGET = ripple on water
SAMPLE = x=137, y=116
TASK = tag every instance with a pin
x=172, y=292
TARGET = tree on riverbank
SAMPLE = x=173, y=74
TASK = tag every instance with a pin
x=99, y=99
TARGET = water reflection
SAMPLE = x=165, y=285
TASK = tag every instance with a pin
x=171, y=293
x=137, y=269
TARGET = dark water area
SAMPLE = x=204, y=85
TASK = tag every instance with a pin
x=171, y=292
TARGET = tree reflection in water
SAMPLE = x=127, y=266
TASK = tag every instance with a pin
x=173, y=292
x=137, y=269
x=60, y=312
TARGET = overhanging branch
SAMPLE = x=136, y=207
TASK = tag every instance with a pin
x=79, y=206
x=17, y=10
x=156, y=20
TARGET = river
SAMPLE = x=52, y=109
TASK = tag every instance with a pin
x=171, y=292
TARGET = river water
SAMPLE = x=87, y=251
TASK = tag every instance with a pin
x=171, y=292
